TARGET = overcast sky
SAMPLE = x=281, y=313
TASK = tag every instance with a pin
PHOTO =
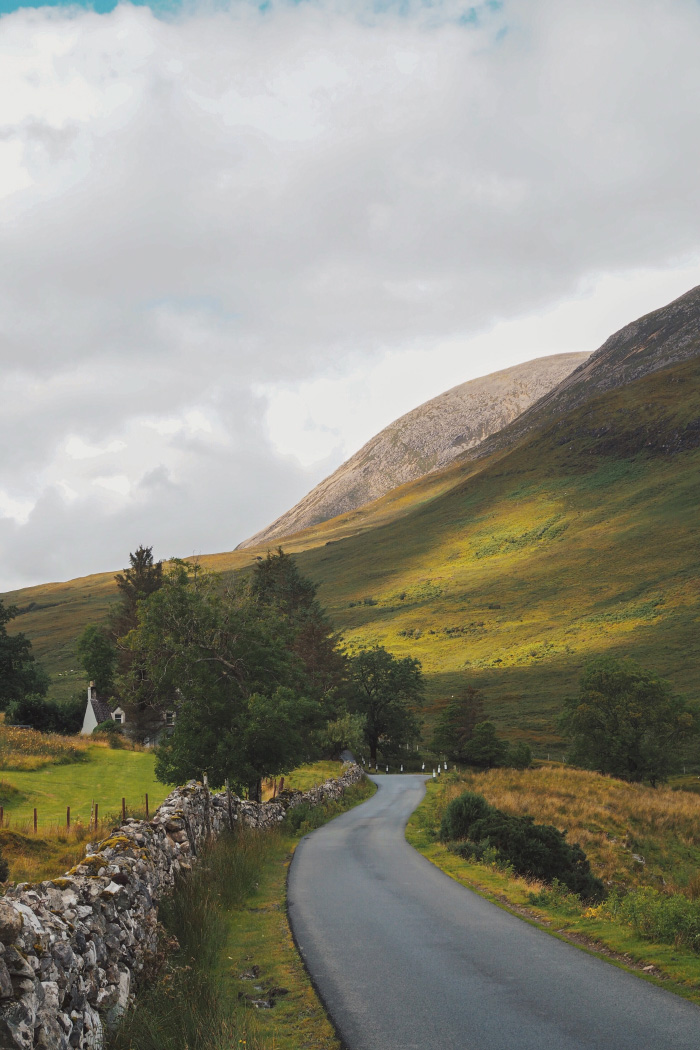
x=237, y=240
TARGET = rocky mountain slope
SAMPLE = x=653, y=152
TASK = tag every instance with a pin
x=663, y=337
x=425, y=439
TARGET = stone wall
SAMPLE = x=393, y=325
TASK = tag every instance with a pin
x=71, y=949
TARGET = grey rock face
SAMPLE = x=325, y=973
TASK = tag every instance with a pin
x=664, y=337
x=73, y=948
x=424, y=440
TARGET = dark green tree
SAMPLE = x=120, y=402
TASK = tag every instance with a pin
x=20, y=674
x=225, y=665
x=277, y=584
x=384, y=689
x=98, y=656
x=455, y=725
x=628, y=722
x=48, y=716
x=143, y=578
x=485, y=748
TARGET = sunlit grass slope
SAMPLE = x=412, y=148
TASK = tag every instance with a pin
x=582, y=541
x=508, y=573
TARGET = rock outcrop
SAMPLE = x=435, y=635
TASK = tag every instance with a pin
x=72, y=949
x=425, y=439
x=664, y=337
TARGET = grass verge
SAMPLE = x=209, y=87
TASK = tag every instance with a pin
x=235, y=980
x=600, y=930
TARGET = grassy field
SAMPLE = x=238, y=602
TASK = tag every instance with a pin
x=509, y=573
x=49, y=773
x=651, y=919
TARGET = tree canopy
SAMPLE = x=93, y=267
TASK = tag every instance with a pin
x=456, y=723
x=20, y=674
x=628, y=722
x=98, y=657
x=383, y=688
x=226, y=664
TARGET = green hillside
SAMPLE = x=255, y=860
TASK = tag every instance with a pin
x=572, y=545
x=508, y=573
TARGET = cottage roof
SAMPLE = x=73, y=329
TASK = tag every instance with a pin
x=101, y=709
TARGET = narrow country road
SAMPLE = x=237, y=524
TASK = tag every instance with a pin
x=406, y=958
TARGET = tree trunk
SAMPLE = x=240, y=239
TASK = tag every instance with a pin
x=255, y=791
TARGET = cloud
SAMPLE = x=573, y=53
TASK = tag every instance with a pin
x=200, y=210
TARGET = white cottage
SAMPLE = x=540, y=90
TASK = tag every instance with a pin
x=98, y=710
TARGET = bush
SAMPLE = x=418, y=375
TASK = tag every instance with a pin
x=669, y=918
x=519, y=756
x=47, y=716
x=110, y=731
x=461, y=814
x=536, y=850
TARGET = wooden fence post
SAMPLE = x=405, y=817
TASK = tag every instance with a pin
x=2, y=816
x=123, y=810
x=146, y=805
x=35, y=821
x=96, y=811
x=68, y=818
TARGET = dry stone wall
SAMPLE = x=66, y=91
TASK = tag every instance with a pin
x=72, y=949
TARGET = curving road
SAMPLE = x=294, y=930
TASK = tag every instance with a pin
x=404, y=957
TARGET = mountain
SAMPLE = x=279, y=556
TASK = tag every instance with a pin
x=663, y=337
x=424, y=440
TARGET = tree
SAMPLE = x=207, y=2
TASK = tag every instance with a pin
x=20, y=674
x=98, y=656
x=485, y=748
x=225, y=665
x=347, y=732
x=277, y=583
x=381, y=687
x=626, y=721
x=455, y=725
x=143, y=578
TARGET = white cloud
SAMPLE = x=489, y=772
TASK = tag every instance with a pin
x=234, y=243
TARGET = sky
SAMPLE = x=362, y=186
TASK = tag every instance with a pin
x=238, y=239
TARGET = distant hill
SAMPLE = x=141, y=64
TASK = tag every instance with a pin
x=424, y=440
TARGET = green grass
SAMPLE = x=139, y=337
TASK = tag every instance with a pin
x=229, y=918
x=104, y=777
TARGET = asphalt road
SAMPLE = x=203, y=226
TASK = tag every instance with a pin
x=405, y=958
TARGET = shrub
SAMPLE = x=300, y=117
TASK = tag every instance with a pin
x=461, y=814
x=47, y=716
x=519, y=756
x=536, y=850
x=669, y=918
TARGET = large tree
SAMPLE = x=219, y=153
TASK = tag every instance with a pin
x=98, y=656
x=225, y=664
x=143, y=577
x=384, y=689
x=456, y=723
x=628, y=722
x=20, y=674
x=277, y=584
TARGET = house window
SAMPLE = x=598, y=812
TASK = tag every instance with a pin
x=118, y=719
x=170, y=718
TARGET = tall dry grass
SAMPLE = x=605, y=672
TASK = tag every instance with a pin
x=29, y=750
x=613, y=821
